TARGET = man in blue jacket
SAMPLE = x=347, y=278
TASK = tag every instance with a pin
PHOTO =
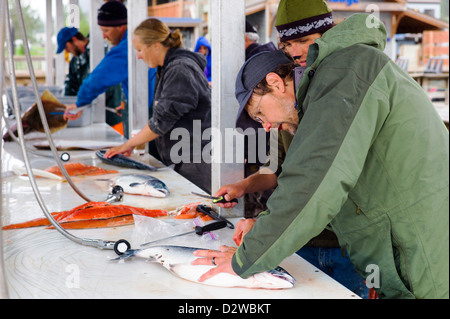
x=113, y=69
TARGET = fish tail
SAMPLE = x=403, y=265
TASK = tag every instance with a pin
x=126, y=255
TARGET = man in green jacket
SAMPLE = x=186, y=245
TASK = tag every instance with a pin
x=370, y=157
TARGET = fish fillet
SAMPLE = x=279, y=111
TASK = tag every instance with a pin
x=78, y=169
x=93, y=215
x=99, y=223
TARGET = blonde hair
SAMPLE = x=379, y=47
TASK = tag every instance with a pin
x=153, y=30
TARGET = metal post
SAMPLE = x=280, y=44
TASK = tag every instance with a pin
x=228, y=55
x=49, y=78
x=3, y=289
x=137, y=71
x=97, y=53
x=60, y=61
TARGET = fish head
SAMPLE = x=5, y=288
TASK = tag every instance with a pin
x=156, y=188
x=277, y=278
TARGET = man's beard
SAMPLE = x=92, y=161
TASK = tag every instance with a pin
x=77, y=51
x=290, y=128
x=291, y=123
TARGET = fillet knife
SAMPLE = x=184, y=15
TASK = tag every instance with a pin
x=198, y=230
x=216, y=200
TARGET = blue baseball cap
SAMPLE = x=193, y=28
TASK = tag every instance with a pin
x=251, y=74
x=64, y=35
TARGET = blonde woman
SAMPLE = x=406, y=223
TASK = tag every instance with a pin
x=182, y=104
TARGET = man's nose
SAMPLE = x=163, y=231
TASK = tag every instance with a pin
x=267, y=126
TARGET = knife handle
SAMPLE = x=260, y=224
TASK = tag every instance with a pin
x=210, y=227
x=222, y=200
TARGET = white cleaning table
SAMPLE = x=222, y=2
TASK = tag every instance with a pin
x=41, y=263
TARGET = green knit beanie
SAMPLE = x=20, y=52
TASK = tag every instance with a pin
x=299, y=18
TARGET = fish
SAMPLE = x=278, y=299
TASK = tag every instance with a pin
x=124, y=161
x=92, y=215
x=139, y=184
x=79, y=169
x=31, y=120
x=177, y=259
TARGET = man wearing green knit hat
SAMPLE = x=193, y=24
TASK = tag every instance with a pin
x=299, y=28
x=369, y=159
x=299, y=18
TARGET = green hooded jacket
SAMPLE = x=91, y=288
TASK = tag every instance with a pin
x=370, y=158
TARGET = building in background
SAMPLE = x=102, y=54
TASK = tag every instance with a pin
x=428, y=7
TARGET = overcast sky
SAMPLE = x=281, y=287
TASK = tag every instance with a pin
x=39, y=6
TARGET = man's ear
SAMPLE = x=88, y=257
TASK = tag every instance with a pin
x=275, y=82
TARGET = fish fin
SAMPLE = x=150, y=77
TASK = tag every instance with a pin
x=48, y=96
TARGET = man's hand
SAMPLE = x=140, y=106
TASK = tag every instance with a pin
x=230, y=192
x=221, y=258
x=71, y=117
x=242, y=228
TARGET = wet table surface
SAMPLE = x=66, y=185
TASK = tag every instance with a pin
x=42, y=263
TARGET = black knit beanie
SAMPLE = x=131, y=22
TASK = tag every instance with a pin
x=112, y=14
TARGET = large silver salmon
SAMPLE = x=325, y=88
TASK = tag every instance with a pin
x=140, y=184
x=177, y=260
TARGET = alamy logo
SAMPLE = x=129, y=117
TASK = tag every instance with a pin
x=73, y=16
x=373, y=20
x=73, y=279
x=373, y=278
x=223, y=147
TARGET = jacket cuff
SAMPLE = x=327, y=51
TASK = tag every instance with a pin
x=240, y=264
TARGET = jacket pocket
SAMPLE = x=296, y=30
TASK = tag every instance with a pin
x=401, y=261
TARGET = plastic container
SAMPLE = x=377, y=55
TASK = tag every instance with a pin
x=22, y=92
x=55, y=90
x=27, y=97
x=86, y=118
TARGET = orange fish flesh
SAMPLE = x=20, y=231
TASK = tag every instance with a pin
x=99, y=223
x=93, y=215
x=78, y=169
x=190, y=211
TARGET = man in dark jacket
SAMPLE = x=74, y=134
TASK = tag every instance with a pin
x=255, y=202
x=252, y=46
x=75, y=43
